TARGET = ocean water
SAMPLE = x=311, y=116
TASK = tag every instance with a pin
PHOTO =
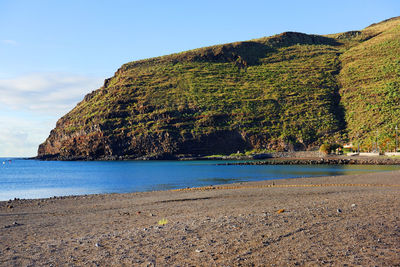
x=41, y=179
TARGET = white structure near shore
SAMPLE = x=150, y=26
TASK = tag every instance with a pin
x=369, y=154
x=373, y=154
x=390, y=154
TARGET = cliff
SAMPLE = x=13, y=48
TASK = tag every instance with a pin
x=288, y=91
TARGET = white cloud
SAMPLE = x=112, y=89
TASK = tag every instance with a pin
x=9, y=42
x=31, y=104
x=46, y=92
x=20, y=135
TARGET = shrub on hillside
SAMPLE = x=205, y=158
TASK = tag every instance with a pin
x=325, y=148
x=329, y=148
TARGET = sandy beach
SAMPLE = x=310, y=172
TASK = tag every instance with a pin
x=334, y=221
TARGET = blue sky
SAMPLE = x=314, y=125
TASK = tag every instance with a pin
x=54, y=52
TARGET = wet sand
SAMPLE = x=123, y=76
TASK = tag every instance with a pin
x=335, y=221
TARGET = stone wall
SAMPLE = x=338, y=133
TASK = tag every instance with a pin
x=297, y=154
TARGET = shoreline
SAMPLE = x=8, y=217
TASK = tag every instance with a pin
x=284, y=158
x=334, y=220
x=323, y=161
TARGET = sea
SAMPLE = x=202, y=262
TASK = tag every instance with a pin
x=32, y=179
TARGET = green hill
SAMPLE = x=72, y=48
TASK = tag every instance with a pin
x=288, y=91
x=370, y=85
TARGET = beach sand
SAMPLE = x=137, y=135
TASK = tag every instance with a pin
x=335, y=221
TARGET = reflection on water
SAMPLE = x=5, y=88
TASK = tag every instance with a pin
x=40, y=179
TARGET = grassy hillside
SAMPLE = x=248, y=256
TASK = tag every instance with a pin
x=370, y=81
x=287, y=91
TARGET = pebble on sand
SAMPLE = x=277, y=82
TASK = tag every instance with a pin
x=162, y=222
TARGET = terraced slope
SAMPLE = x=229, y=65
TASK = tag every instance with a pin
x=370, y=81
x=289, y=91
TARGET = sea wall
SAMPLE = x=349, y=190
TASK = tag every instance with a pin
x=324, y=161
x=297, y=154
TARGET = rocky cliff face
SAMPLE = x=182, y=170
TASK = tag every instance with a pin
x=275, y=93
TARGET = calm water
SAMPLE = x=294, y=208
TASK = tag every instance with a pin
x=40, y=179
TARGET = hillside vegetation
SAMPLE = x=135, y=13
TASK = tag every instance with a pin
x=289, y=91
x=370, y=86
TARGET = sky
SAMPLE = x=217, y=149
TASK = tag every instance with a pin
x=52, y=53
